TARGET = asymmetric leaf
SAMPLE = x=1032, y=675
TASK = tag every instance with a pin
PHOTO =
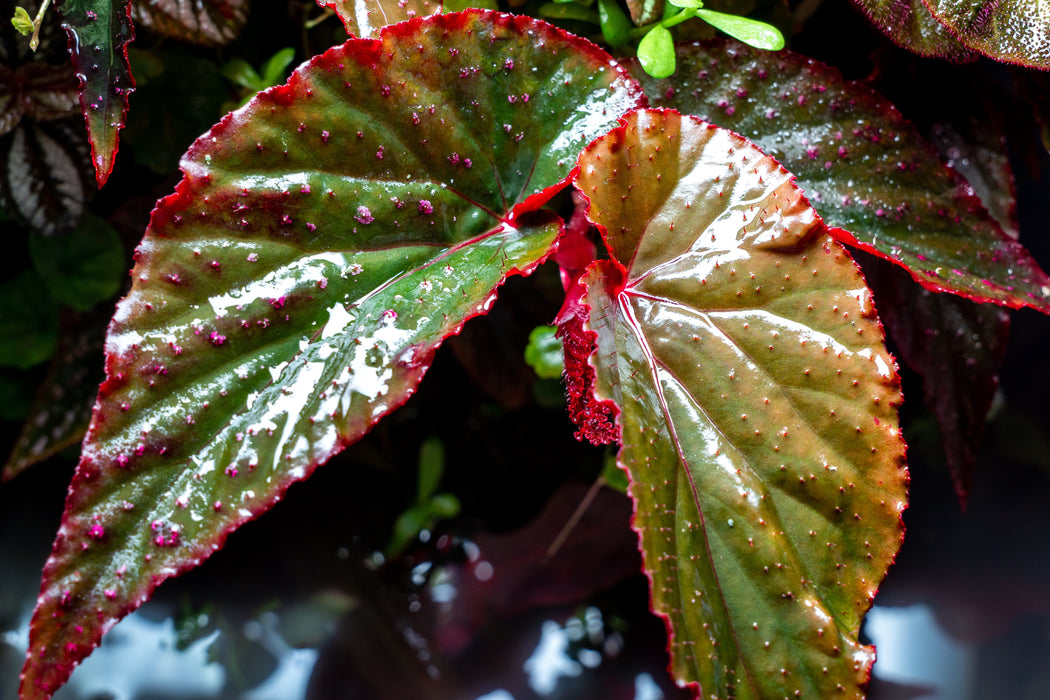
x=292, y=291
x=99, y=32
x=1014, y=31
x=757, y=405
x=865, y=169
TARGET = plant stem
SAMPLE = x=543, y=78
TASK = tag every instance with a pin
x=667, y=22
x=37, y=21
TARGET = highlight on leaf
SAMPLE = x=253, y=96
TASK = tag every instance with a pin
x=323, y=242
x=757, y=404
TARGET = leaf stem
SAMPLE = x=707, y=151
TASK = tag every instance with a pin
x=666, y=22
x=574, y=519
x=34, y=42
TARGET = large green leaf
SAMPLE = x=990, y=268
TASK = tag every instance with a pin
x=324, y=240
x=99, y=32
x=909, y=24
x=862, y=165
x=1014, y=31
x=757, y=406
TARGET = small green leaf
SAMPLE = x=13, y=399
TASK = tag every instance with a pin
x=406, y=528
x=431, y=467
x=240, y=72
x=22, y=22
x=570, y=11
x=28, y=321
x=83, y=267
x=544, y=353
x=750, y=31
x=656, y=52
x=686, y=4
x=616, y=27
x=273, y=71
x=444, y=505
x=457, y=5
x=615, y=477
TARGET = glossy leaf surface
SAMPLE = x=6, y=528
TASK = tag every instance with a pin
x=865, y=169
x=757, y=406
x=908, y=23
x=207, y=22
x=1014, y=31
x=324, y=240
x=99, y=32
x=366, y=17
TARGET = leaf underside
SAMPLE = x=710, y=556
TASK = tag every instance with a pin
x=757, y=406
x=98, y=32
x=909, y=24
x=861, y=164
x=364, y=18
x=208, y=23
x=293, y=289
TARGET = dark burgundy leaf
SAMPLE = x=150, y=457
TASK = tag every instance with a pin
x=863, y=166
x=45, y=174
x=957, y=346
x=60, y=413
x=205, y=22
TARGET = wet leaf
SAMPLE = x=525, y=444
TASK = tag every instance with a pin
x=59, y=415
x=865, y=169
x=1014, y=31
x=99, y=32
x=908, y=23
x=204, y=22
x=323, y=242
x=757, y=405
x=45, y=174
x=957, y=347
x=364, y=18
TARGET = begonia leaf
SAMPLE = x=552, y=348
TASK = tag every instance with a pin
x=45, y=173
x=365, y=18
x=738, y=347
x=292, y=291
x=59, y=414
x=38, y=91
x=99, y=32
x=207, y=22
x=1013, y=31
x=862, y=165
x=908, y=23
